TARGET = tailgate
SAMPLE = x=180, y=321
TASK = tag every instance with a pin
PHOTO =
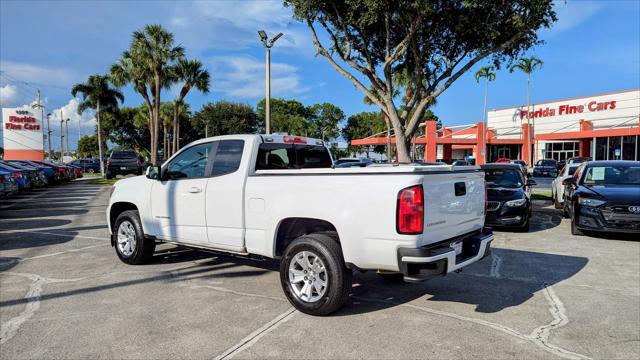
x=453, y=205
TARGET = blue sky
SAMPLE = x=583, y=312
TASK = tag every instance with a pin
x=593, y=48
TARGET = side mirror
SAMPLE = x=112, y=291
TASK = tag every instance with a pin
x=569, y=181
x=153, y=172
x=531, y=182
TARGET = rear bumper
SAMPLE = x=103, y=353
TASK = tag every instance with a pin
x=419, y=264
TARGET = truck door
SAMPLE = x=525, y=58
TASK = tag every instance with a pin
x=178, y=201
x=225, y=195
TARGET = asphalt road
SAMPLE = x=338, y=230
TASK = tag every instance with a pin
x=64, y=294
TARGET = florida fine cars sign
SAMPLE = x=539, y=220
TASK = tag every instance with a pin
x=22, y=134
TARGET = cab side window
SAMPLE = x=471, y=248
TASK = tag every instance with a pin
x=227, y=157
x=191, y=163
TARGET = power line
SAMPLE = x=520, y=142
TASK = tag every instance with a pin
x=28, y=83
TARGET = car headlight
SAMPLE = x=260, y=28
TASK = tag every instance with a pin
x=515, y=203
x=590, y=202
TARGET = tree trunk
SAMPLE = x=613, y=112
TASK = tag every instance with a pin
x=99, y=138
x=178, y=137
x=156, y=122
x=176, y=124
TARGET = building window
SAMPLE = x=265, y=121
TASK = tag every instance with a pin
x=628, y=148
x=615, y=150
x=601, y=149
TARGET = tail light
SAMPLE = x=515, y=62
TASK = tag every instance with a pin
x=17, y=175
x=294, y=140
x=108, y=162
x=2, y=180
x=410, y=210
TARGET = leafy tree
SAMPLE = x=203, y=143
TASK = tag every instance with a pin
x=88, y=146
x=362, y=125
x=324, y=121
x=223, y=118
x=128, y=128
x=97, y=92
x=527, y=66
x=192, y=74
x=288, y=116
x=147, y=63
x=431, y=43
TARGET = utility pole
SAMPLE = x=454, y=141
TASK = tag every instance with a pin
x=79, y=135
x=267, y=107
x=41, y=107
x=61, y=136
x=68, y=150
x=49, y=135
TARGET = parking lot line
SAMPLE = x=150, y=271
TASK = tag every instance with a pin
x=252, y=338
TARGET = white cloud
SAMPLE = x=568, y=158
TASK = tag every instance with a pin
x=234, y=25
x=70, y=111
x=244, y=77
x=8, y=95
x=572, y=13
x=32, y=73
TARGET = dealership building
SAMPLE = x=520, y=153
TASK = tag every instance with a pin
x=603, y=127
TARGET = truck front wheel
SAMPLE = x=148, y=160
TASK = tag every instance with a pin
x=131, y=245
x=314, y=276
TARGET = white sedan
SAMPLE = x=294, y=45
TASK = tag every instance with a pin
x=557, y=189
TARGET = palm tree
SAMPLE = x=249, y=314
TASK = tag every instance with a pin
x=487, y=73
x=97, y=93
x=192, y=74
x=147, y=62
x=527, y=66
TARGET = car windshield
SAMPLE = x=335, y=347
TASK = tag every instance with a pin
x=612, y=175
x=123, y=155
x=503, y=178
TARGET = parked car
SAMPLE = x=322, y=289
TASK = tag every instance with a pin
x=21, y=176
x=38, y=178
x=48, y=171
x=77, y=171
x=508, y=196
x=523, y=166
x=8, y=185
x=557, y=185
x=604, y=196
x=62, y=170
x=546, y=167
x=87, y=165
x=123, y=163
x=573, y=160
x=278, y=197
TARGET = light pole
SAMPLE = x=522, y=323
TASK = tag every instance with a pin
x=61, y=136
x=49, y=135
x=68, y=149
x=268, y=44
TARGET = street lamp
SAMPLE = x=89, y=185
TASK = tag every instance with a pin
x=268, y=44
x=68, y=150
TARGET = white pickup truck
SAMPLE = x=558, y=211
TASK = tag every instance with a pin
x=279, y=197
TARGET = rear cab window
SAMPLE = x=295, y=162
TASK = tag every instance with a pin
x=123, y=155
x=279, y=156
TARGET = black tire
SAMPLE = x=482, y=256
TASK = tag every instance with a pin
x=143, y=249
x=574, y=228
x=338, y=284
x=565, y=211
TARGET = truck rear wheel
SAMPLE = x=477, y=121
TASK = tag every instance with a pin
x=131, y=246
x=314, y=276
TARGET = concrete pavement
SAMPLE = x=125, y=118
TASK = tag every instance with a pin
x=65, y=294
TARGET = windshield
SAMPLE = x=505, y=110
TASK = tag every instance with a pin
x=612, y=175
x=503, y=178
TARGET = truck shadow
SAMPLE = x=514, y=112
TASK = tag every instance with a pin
x=508, y=278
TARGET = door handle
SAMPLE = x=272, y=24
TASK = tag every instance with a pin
x=195, y=190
